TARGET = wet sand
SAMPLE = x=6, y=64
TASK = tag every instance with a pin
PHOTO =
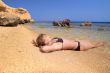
x=18, y=55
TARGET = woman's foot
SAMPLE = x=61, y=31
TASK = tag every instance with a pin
x=98, y=44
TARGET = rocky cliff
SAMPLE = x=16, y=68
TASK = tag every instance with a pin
x=13, y=16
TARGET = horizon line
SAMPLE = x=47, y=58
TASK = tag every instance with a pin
x=71, y=21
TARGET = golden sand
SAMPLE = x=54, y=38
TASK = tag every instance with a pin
x=18, y=55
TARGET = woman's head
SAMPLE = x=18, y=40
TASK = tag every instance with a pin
x=42, y=40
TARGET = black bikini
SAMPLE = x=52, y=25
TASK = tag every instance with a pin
x=61, y=40
x=78, y=47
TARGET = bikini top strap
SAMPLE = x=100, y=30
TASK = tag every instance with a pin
x=59, y=40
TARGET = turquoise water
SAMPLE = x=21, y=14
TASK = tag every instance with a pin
x=98, y=26
x=99, y=31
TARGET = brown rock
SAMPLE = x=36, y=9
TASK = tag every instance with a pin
x=7, y=19
x=64, y=23
x=55, y=23
x=13, y=16
x=87, y=23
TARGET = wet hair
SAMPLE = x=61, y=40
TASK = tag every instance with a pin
x=39, y=41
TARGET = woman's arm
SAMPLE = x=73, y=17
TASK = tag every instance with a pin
x=51, y=48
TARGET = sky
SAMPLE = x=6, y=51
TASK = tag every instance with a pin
x=75, y=10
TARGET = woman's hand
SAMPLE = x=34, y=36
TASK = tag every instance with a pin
x=52, y=41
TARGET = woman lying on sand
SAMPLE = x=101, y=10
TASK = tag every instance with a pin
x=48, y=44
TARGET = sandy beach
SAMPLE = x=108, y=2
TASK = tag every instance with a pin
x=18, y=55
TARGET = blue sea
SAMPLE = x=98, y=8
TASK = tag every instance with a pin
x=98, y=26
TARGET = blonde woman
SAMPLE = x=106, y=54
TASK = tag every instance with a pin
x=48, y=44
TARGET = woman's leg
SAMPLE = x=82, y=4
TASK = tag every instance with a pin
x=86, y=45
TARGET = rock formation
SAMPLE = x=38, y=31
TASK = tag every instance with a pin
x=13, y=16
x=86, y=23
x=64, y=23
x=7, y=19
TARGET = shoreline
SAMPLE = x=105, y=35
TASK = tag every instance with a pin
x=18, y=55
